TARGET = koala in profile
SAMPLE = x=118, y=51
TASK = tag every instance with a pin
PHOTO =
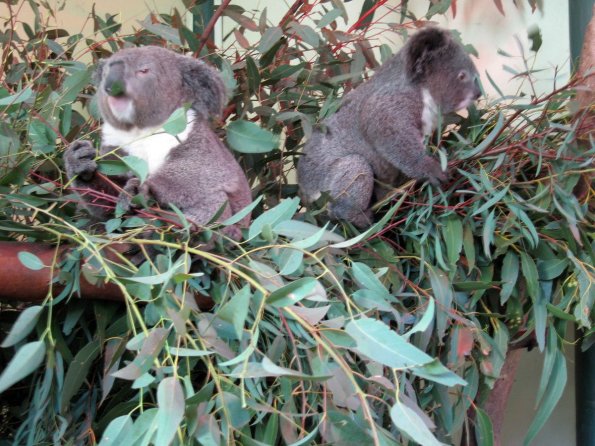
x=378, y=132
x=138, y=90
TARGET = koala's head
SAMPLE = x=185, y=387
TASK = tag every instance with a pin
x=141, y=87
x=434, y=60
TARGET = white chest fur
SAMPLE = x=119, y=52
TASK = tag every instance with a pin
x=429, y=114
x=150, y=144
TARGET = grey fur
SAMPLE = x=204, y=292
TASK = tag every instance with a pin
x=378, y=133
x=200, y=174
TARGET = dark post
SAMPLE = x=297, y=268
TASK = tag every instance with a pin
x=580, y=16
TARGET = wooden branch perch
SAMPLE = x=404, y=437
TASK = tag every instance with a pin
x=20, y=283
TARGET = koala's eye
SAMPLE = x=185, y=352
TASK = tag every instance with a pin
x=142, y=71
x=462, y=76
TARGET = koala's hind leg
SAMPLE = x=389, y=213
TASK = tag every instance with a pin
x=351, y=183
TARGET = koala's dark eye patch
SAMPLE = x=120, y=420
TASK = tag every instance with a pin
x=462, y=76
x=142, y=71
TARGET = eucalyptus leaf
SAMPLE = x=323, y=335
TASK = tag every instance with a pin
x=27, y=358
x=24, y=324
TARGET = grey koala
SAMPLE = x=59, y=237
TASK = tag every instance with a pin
x=378, y=132
x=138, y=89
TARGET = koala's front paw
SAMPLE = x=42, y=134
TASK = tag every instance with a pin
x=79, y=160
x=435, y=174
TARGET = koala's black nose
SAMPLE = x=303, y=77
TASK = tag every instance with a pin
x=114, y=84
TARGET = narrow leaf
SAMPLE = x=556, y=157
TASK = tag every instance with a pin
x=22, y=326
x=170, y=402
x=24, y=362
x=411, y=424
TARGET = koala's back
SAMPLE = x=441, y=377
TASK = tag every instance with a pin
x=343, y=134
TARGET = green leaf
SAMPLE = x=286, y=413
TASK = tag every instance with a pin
x=284, y=71
x=188, y=352
x=534, y=34
x=17, y=98
x=282, y=212
x=237, y=217
x=496, y=198
x=30, y=260
x=487, y=141
x=555, y=389
x=112, y=167
x=365, y=278
x=329, y=18
x=412, y=425
x=452, y=232
x=424, y=323
x=305, y=235
x=22, y=326
x=489, y=228
x=116, y=431
x=510, y=273
x=437, y=372
x=306, y=34
x=138, y=165
x=236, y=310
x=167, y=32
x=151, y=347
x=484, y=432
x=444, y=295
x=530, y=275
x=143, y=429
x=23, y=363
x=381, y=344
x=77, y=371
x=374, y=228
x=271, y=36
x=177, y=122
x=171, y=406
x=247, y=137
x=292, y=292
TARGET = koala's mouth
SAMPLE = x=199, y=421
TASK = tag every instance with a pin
x=122, y=108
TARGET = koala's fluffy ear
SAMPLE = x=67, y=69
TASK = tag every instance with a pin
x=422, y=48
x=204, y=87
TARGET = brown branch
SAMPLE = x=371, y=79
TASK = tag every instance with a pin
x=210, y=26
x=20, y=283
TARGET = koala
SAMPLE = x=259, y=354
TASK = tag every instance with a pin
x=137, y=91
x=378, y=132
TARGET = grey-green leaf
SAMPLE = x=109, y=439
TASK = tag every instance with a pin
x=411, y=424
x=381, y=344
x=23, y=363
x=30, y=260
x=170, y=402
x=22, y=326
x=247, y=137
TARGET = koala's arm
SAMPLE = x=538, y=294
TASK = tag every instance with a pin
x=391, y=123
x=81, y=170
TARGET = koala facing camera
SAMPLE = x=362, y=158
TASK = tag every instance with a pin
x=378, y=133
x=137, y=91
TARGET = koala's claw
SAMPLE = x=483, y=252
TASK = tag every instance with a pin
x=132, y=188
x=79, y=160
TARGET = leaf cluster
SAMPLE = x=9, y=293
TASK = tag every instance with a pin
x=317, y=333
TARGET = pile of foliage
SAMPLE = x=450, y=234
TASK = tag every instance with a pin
x=317, y=333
